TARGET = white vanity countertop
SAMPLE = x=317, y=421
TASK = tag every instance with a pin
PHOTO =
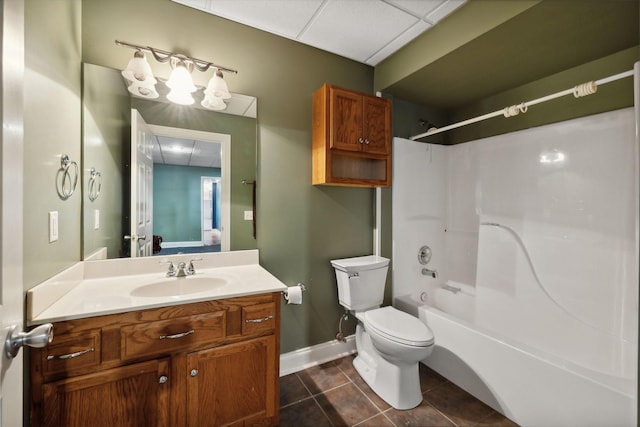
x=89, y=290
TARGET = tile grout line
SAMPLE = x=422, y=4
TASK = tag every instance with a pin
x=380, y=410
x=313, y=396
x=439, y=411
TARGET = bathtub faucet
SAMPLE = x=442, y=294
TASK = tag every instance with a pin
x=450, y=288
x=432, y=273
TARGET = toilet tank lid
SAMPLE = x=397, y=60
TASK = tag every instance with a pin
x=369, y=262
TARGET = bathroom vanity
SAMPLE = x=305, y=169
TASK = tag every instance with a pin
x=209, y=357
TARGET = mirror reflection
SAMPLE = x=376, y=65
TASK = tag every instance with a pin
x=186, y=220
x=198, y=204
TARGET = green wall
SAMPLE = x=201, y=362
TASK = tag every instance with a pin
x=300, y=227
x=51, y=128
x=612, y=96
x=177, y=202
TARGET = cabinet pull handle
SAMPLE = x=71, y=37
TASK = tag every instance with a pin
x=71, y=355
x=264, y=319
x=181, y=335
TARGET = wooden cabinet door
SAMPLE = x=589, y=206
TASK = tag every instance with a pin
x=132, y=395
x=377, y=125
x=234, y=385
x=345, y=127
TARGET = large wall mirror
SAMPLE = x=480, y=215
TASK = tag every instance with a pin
x=200, y=194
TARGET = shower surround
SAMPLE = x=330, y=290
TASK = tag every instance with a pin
x=534, y=235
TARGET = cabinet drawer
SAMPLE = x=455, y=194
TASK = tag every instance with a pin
x=70, y=352
x=167, y=336
x=258, y=318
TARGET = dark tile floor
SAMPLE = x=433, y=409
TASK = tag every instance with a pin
x=333, y=394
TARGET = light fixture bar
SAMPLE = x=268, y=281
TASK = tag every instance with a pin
x=164, y=56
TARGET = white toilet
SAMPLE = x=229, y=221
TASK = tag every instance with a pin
x=390, y=343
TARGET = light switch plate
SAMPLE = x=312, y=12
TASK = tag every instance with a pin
x=248, y=215
x=53, y=226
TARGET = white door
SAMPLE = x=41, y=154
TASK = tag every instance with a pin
x=141, y=187
x=11, y=292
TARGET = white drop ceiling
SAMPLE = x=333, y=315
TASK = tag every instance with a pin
x=366, y=31
x=186, y=152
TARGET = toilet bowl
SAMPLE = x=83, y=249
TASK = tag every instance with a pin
x=389, y=342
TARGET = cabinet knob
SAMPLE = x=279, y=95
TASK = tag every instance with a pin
x=360, y=140
x=163, y=379
x=194, y=372
x=366, y=141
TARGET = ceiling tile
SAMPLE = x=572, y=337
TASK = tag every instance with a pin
x=284, y=17
x=444, y=10
x=420, y=8
x=241, y=105
x=363, y=30
x=356, y=29
x=175, y=159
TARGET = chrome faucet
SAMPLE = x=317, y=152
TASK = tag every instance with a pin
x=182, y=269
x=181, y=272
x=432, y=273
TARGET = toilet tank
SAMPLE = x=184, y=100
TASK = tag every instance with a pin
x=361, y=281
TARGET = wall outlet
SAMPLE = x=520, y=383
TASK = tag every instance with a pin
x=248, y=215
x=53, y=226
x=96, y=219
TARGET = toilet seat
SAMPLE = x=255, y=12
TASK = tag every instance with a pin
x=398, y=326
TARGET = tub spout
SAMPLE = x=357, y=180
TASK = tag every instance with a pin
x=432, y=273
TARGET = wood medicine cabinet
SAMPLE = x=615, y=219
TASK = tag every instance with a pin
x=351, y=138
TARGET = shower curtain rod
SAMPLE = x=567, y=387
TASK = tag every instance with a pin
x=578, y=91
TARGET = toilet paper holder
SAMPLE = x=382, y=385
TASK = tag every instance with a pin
x=302, y=287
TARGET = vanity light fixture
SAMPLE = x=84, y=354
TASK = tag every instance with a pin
x=142, y=83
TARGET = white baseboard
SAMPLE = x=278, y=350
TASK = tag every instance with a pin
x=304, y=358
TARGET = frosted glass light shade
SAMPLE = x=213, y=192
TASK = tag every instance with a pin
x=180, y=80
x=181, y=97
x=144, y=91
x=138, y=70
x=213, y=103
x=217, y=87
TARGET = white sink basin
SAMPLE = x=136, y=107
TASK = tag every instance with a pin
x=178, y=286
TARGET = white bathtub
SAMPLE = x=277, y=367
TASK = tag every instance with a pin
x=532, y=387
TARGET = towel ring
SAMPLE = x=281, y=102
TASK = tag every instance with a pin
x=69, y=179
x=95, y=184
